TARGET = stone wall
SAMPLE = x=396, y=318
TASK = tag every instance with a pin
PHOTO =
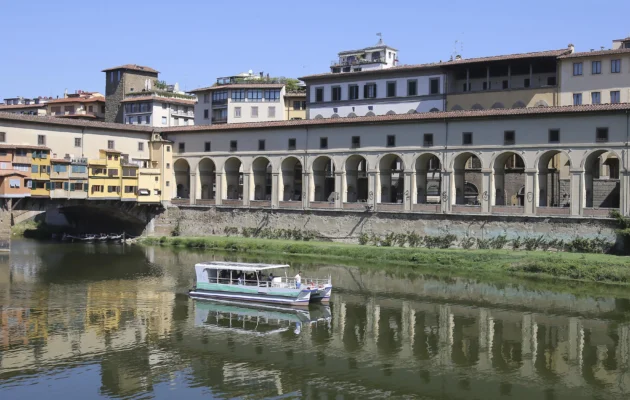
x=348, y=225
x=605, y=193
x=5, y=224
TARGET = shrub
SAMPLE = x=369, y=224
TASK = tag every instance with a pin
x=375, y=240
x=388, y=240
x=230, y=230
x=441, y=242
x=530, y=243
x=364, y=238
x=517, y=243
x=498, y=242
x=414, y=239
x=400, y=239
x=467, y=242
x=483, y=243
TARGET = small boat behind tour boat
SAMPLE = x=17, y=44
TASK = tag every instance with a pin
x=257, y=283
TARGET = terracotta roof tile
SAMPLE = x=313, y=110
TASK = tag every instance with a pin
x=11, y=172
x=90, y=116
x=595, y=53
x=111, y=151
x=73, y=122
x=77, y=100
x=133, y=67
x=60, y=160
x=241, y=86
x=427, y=116
x=173, y=100
x=18, y=106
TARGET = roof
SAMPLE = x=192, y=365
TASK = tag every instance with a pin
x=10, y=172
x=377, y=46
x=74, y=122
x=595, y=53
x=133, y=67
x=77, y=100
x=22, y=146
x=421, y=67
x=111, y=151
x=172, y=100
x=18, y=106
x=89, y=116
x=236, y=266
x=427, y=116
x=241, y=86
x=60, y=160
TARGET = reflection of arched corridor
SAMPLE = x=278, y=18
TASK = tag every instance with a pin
x=356, y=179
x=291, y=176
x=207, y=173
x=601, y=178
x=323, y=179
x=466, y=169
x=234, y=179
x=554, y=186
x=261, y=168
x=391, y=179
x=182, y=178
x=428, y=179
x=509, y=178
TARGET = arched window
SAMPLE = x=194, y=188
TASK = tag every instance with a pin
x=541, y=103
x=334, y=116
x=456, y=107
x=412, y=111
x=370, y=114
x=390, y=112
x=352, y=115
x=477, y=107
x=318, y=116
x=434, y=110
x=498, y=104
x=518, y=104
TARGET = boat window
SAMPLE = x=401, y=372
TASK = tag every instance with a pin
x=209, y=275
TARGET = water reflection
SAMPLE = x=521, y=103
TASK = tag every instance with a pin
x=115, y=321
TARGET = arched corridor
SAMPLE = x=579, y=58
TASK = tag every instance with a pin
x=291, y=179
x=428, y=179
x=181, y=169
x=356, y=179
x=391, y=179
x=601, y=179
x=323, y=183
x=261, y=168
x=233, y=179
x=554, y=184
x=466, y=170
x=207, y=174
x=508, y=179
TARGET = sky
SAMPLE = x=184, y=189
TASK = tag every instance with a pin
x=51, y=46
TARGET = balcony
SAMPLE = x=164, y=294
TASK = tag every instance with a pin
x=219, y=120
x=361, y=61
x=219, y=103
x=182, y=113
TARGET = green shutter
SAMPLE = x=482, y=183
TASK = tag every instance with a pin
x=72, y=187
x=85, y=187
x=34, y=169
x=47, y=185
x=65, y=186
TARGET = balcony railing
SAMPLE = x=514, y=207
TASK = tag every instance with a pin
x=361, y=61
x=183, y=113
x=219, y=120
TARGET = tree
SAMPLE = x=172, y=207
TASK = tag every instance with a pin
x=292, y=85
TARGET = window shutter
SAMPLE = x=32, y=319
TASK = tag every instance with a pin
x=47, y=185
x=375, y=95
x=34, y=169
x=65, y=186
x=72, y=187
x=85, y=187
x=365, y=91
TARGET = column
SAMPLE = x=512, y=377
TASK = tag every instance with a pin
x=193, y=187
x=339, y=178
x=247, y=188
x=624, y=192
x=486, y=338
x=575, y=352
x=306, y=189
x=529, y=345
x=195, y=180
x=407, y=191
x=446, y=327
x=447, y=197
x=274, y=189
x=578, y=194
x=530, y=189
x=219, y=195
x=413, y=191
x=372, y=189
x=486, y=190
x=509, y=77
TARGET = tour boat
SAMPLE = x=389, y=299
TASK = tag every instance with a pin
x=114, y=236
x=255, y=282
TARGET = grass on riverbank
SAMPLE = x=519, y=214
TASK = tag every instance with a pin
x=574, y=266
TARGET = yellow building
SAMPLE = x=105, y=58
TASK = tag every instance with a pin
x=129, y=182
x=104, y=176
x=40, y=172
x=154, y=182
x=295, y=105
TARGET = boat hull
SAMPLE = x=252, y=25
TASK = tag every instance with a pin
x=321, y=295
x=302, y=300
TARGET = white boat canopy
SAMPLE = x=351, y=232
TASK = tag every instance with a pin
x=236, y=266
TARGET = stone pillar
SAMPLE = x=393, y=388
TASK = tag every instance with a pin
x=306, y=189
x=407, y=190
x=578, y=196
x=413, y=191
x=447, y=197
x=372, y=189
x=529, y=345
x=194, y=179
x=339, y=178
x=247, y=188
x=530, y=190
x=274, y=189
x=624, y=192
x=219, y=186
x=541, y=195
x=486, y=190
x=486, y=339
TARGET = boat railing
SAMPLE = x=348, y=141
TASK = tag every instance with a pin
x=316, y=282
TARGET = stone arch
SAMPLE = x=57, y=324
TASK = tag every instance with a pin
x=434, y=109
x=261, y=180
x=554, y=180
x=519, y=104
x=322, y=186
x=334, y=116
x=466, y=168
x=233, y=177
x=412, y=111
x=508, y=178
x=352, y=115
x=391, y=112
x=498, y=104
x=181, y=169
x=207, y=174
x=477, y=106
x=602, y=169
x=391, y=178
x=541, y=103
x=290, y=178
x=457, y=107
x=428, y=182
x=370, y=114
x=356, y=184
x=318, y=116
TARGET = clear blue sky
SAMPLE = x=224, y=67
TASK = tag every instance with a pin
x=50, y=46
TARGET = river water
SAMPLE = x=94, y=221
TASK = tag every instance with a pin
x=112, y=321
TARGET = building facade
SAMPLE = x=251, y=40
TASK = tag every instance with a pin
x=79, y=105
x=122, y=80
x=159, y=109
x=21, y=105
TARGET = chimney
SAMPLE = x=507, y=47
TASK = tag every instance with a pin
x=261, y=74
x=571, y=48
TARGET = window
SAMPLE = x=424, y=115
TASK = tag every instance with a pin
x=132, y=172
x=207, y=147
x=596, y=67
x=526, y=83
x=41, y=140
x=615, y=96
x=233, y=145
x=111, y=77
x=163, y=120
x=168, y=149
x=261, y=145
x=112, y=172
x=505, y=84
x=356, y=142
x=176, y=121
x=467, y=138
x=596, y=98
x=391, y=89
x=508, y=138
x=140, y=146
x=554, y=135
x=206, y=98
x=391, y=140
x=77, y=142
x=369, y=91
x=335, y=93
x=220, y=97
x=90, y=108
x=577, y=99
x=254, y=112
x=168, y=165
x=412, y=87
x=110, y=144
x=130, y=189
x=319, y=94
x=434, y=86
x=428, y=139
x=97, y=188
x=601, y=135
x=615, y=66
x=182, y=147
x=113, y=189
x=271, y=112
x=353, y=92
x=485, y=86
x=272, y=94
x=292, y=142
x=15, y=183
x=237, y=112
x=118, y=75
x=254, y=95
x=323, y=143
x=238, y=95
x=577, y=69
x=139, y=119
x=551, y=81
x=206, y=114
x=297, y=105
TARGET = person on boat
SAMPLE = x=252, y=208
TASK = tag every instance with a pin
x=270, y=277
x=298, y=280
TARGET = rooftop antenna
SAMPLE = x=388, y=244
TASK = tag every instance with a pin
x=457, y=53
x=380, y=39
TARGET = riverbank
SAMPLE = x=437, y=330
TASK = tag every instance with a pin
x=570, y=266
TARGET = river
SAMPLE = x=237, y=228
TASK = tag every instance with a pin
x=83, y=321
